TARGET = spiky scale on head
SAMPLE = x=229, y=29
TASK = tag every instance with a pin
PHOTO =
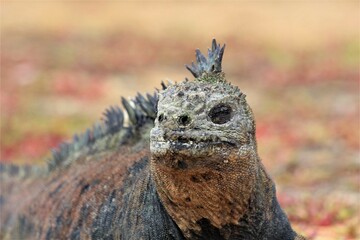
x=210, y=66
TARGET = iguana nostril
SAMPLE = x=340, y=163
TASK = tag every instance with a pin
x=184, y=120
x=161, y=117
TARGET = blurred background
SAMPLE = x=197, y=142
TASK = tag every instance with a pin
x=64, y=62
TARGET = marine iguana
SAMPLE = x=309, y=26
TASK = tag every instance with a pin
x=184, y=167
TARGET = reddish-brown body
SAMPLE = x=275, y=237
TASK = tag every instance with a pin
x=56, y=201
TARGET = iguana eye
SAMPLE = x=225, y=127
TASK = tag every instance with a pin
x=220, y=113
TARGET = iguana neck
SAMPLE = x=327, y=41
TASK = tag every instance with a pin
x=234, y=201
x=217, y=190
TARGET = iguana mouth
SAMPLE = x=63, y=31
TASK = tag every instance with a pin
x=184, y=142
x=177, y=142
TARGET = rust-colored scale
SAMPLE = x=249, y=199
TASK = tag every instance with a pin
x=192, y=194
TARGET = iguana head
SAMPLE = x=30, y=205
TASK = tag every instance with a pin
x=203, y=147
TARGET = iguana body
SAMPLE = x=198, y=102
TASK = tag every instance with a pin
x=198, y=177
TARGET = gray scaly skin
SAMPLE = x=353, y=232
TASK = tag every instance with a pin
x=201, y=179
